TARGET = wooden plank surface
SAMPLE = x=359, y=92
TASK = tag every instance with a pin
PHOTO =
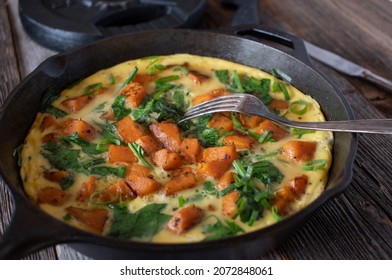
x=356, y=224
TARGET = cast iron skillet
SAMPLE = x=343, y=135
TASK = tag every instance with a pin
x=31, y=229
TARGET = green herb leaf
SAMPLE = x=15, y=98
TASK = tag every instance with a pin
x=67, y=181
x=298, y=107
x=91, y=89
x=223, y=76
x=145, y=223
x=139, y=153
x=87, y=147
x=237, y=124
x=129, y=79
x=112, y=79
x=237, y=85
x=119, y=109
x=314, y=165
x=299, y=132
x=275, y=214
x=260, y=88
x=183, y=69
x=166, y=79
x=220, y=230
x=106, y=170
x=48, y=97
x=209, y=187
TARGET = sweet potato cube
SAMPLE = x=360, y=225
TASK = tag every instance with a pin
x=290, y=192
x=197, y=77
x=278, y=104
x=128, y=130
x=56, y=176
x=134, y=93
x=179, y=183
x=191, y=149
x=94, y=218
x=250, y=121
x=297, y=151
x=229, y=203
x=149, y=144
x=118, y=191
x=224, y=153
x=168, y=134
x=142, y=185
x=166, y=159
x=185, y=219
x=278, y=132
x=143, y=78
x=214, y=169
x=121, y=154
x=298, y=185
x=48, y=121
x=225, y=181
x=87, y=189
x=210, y=95
x=137, y=169
x=220, y=121
x=77, y=103
x=51, y=137
x=52, y=196
x=82, y=128
x=240, y=142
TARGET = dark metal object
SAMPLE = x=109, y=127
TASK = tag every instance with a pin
x=65, y=24
x=32, y=229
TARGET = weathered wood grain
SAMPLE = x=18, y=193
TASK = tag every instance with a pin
x=354, y=225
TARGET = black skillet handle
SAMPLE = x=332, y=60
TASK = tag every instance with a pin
x=31, y=230
x=263, y=34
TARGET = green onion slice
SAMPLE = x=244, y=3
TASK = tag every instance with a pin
x=314, y=165
x=298, y=107
x=91, y=89
x=275, y=214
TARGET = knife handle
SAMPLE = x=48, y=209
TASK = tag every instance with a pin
x=376, y=79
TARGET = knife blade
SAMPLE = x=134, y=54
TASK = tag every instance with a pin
x=345, y=66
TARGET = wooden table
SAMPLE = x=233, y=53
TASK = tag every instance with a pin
x=355, y=225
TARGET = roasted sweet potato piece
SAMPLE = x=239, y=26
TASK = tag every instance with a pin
x=166, y=159
x=82, y=128
x=48, y=121
x=128, y=130
x=179, y=183
x=51, y=137
x=142, y=185
x=137, y=169
x=52, y=195
x=168, y=134
x=224, y=153
x=144, y=79
x=149, y=144
x=229, y=203
x=191, y=149
x=208, y=96
x=185, y=219
x=197, y=77
x=278, y=132
x=278, y=104
x=56, y=176
x=121, y=154
x=94, y=218
x=76, y=104
x=134, y=93
x=220, y=121
x=239, y=141
x=250, y=121
x=213, y=169
x=118, y=191
x=87, y=189
x=297, y=151
x=225, y=181
x=292, y=190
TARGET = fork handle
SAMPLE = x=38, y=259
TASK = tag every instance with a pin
x=381, y=126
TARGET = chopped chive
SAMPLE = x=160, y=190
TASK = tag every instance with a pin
x=269, y=155
x=139, y=153
x=266, y=136
x=275, y=214
x=102, y=144
x=112, y=79
x=129, y=79
x=264, y=202
x=181, y=201
x=166, y=79
x=209, y=187
x=241, y=205
x=253, y=217
x=283, y=88
x=237, y=82
x=239, y=168
x=298, y=107
x=226, y=190
x=237, y=124
x=314, y=165
x=299, y=132
x=91, y=89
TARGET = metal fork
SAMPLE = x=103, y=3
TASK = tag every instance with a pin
x=249, y=104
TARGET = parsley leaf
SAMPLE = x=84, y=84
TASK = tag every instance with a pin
x=220, y=230
x=144, y=223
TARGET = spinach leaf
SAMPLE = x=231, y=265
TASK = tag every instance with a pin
x=106, y=170
x=119, y=109
x=220, y=230
x=260, y=87
x=266, y=172
x=67, y=182
x=48, y=97
x=144, y=223
x=163, y=109
x=223, y=76
x=87, y=147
